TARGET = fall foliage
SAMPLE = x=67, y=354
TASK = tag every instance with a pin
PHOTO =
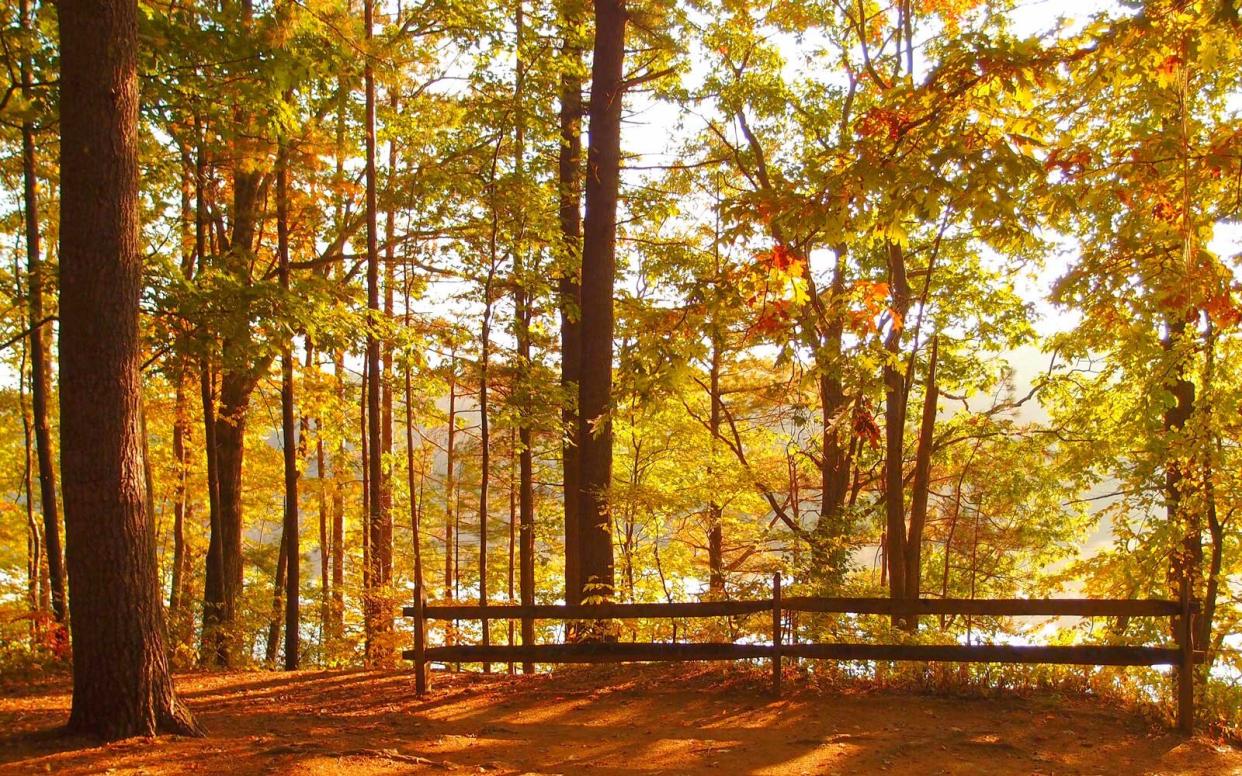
x=637, y=300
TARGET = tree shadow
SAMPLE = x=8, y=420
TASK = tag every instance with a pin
x=604, y=720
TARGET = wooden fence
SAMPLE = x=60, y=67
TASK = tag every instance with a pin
x=1182, y=655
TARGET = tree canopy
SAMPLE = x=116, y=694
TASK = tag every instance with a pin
x=644, y=300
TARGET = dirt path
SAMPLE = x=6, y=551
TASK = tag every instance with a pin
x=600, y=721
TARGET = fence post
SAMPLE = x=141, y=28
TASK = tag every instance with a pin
x=776, y=634
x=1186, y=667
x=486, y=632
x=420, y=642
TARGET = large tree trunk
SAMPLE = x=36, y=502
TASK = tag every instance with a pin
x=569, y=178
x=121, y=683
x=40, y=362
x=598, y=277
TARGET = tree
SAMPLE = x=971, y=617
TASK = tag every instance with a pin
x=240, y=370
x=121, y=682
x=288, y=432
x=599, y=250
x=569, y=190
x=1147, y=193
x=40, y=357
x=379, y=516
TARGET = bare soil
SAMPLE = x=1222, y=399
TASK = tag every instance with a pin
x=655, y=720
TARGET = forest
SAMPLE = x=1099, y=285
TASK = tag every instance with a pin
x=313, y=307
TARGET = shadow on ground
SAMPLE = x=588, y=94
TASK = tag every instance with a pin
x=651, y=720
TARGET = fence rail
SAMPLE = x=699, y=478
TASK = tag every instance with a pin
x=1182, y=656
x=995, y=607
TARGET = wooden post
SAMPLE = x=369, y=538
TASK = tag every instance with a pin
x=420, y=642
x=776, y=634
x=486, y=632
x=1186, y=667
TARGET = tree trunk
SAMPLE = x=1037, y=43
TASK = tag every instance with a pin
x=364, y=519
x=598, y=277
x=830, y=541
x=213, y=595
x=715, y=532
x=226, y=588
x=338, y=512
x=1185, y=563
x=415, y=503
x=336, y=605
x=34, y=544
x=485, y=436
x=288, y=428
x=513, y=521
x=628, y=523
x=230, y=436
x=1216, y=527
x=895, y=424
x=241, y=372
x=522, y=319
x=449, y=522
x=180, y=422
x=378, y=618
x=278, y=602
x=921, y=486
x=382, y=539
x=213, y=583
x=121, y=682
x=40, y=361
x=325, y=538
x=569, y=178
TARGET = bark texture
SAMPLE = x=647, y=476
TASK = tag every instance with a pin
x=121, y=683
x=379, y=620
x=569, y=178
x=599, y=251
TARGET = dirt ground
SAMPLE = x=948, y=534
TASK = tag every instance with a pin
x=603, y=720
